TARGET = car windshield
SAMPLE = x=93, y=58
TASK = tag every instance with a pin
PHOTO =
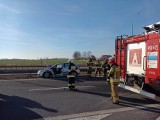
x=53, y=66
x=59, y=66
x=66, y=65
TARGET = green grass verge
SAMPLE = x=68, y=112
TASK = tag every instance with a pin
x=37, y=62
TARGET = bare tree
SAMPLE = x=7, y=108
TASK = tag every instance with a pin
x=76, y=55
x=89, y=54
x=84, y=55
x=93, y=57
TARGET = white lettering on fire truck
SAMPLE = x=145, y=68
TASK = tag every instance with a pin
x=152, y=73
x=153, y=47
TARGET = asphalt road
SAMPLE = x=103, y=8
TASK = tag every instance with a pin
x=50, y=99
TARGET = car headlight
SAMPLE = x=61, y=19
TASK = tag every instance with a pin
x=39, y=71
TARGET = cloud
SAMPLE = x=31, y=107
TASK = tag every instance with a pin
x=9, y=9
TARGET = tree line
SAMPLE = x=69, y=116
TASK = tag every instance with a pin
x=84, y=55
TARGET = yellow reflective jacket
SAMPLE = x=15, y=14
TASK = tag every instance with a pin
x=90, y=64
x=114, y=73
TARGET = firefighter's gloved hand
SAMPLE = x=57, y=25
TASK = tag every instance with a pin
x=108, y=80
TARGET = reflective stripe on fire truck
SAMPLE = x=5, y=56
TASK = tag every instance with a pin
x=142, y=92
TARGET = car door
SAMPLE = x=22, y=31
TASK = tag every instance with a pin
x=65, y=69
x=54, y=69
x=59, y=68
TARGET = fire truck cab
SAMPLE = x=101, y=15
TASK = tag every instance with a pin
x=139, y=57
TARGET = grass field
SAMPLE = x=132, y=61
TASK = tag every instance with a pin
x=17, y=65
x=14, y=62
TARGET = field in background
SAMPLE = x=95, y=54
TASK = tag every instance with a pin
x=13, y=69
x=18, y=62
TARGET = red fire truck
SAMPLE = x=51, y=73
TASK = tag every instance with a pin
x=139, y=59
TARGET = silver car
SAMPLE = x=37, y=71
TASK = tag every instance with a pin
x=58, y=70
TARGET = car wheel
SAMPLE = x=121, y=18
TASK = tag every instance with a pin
x=46, y=75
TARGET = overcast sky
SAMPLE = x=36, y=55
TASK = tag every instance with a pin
x=56, y=28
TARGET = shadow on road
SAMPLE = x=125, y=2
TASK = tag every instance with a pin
x=139, y=103
x=94, y=93
x=19, y=108
x=81, y=78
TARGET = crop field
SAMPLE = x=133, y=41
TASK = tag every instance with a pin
x=37, y=62
x=13, y=69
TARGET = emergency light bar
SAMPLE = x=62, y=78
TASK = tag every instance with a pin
x=152, y=28
x=157, y=26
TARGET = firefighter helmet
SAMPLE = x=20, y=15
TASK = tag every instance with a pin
x=106, y=59
x=111, y=60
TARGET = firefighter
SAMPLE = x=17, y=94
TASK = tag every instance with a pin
x=89, y=65
x=106, y=68
x=71, y=78
x=114, y=75
x=98, y=68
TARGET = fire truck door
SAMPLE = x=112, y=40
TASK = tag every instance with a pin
x=152, y=53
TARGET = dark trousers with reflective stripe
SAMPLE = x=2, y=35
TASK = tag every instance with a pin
x=105, y=72
x=98, y=71
x=71, y=82
x=89, y=71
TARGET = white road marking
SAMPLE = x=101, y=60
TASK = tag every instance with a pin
x=59, y=88
x=95, y=117
x=104, y=113
x=158, y=118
